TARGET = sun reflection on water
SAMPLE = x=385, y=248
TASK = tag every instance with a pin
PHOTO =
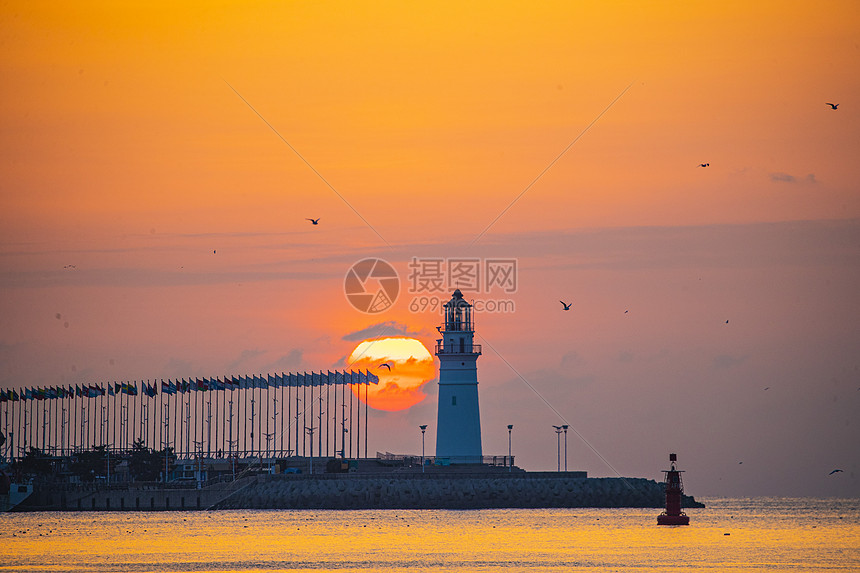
x=729, y=535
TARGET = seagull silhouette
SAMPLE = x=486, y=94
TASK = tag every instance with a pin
x=832, y=105
x=386, y=365
x=313, y=221
x=833, y=472
x=704, y=164
x=565, y=305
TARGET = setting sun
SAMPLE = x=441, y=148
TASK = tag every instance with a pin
x=400, y=386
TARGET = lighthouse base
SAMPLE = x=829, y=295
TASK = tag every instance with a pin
x=664, y=519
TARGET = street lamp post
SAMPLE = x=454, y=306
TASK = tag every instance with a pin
x=558, y=447
x=565, y=427
x=423, y=429
x=310, y=432
x=510, y=458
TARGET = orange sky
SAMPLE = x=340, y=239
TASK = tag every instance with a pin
x=124, y=152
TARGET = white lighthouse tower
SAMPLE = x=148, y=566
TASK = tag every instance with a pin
x=458, y=427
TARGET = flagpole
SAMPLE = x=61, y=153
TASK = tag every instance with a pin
x=253, y=401
x=280, y=428
x=289, y=419
x=230, y=440
x=260, y=416
x=297, y=418
x=366, y=416
x=274, y=424
x=208, y=423
x=177, y=410
x=52, y=427
x=334, y=415
x=328, y=416
x=188, y=421
x=166, y=442
x=304, y=409
x=217, y=384
x=162, y=415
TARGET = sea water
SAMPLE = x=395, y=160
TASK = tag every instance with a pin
x=728, y=535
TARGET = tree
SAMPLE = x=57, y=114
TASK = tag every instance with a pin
x=89, y=463
x=35, y=462
x=145, y=464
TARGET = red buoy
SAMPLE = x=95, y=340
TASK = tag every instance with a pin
x=674, y=491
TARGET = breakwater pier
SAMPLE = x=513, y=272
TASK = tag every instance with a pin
x=374, y=490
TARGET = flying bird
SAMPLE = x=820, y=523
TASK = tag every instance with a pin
x=727, y=322
x=704, y=164
x=313, y=221
x=832, y=105
x=833, y=472
x=386, y=365
x=565, y=305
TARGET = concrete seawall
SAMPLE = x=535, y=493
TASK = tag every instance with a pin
x=437, y=492
x=366, y=491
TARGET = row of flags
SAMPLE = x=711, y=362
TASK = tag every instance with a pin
x=182, y=386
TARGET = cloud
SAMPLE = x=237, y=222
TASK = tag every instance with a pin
x=725, y=361
x=289, y=362
x=243, y=358
x=382, y=329
x=780, y=177
x=571, y=359
x=625, y=357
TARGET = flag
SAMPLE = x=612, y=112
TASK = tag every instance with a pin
x=111, y=390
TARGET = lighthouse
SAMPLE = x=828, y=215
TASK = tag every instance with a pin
x=458, y=424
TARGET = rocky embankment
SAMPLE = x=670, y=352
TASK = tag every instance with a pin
x=449, y=492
